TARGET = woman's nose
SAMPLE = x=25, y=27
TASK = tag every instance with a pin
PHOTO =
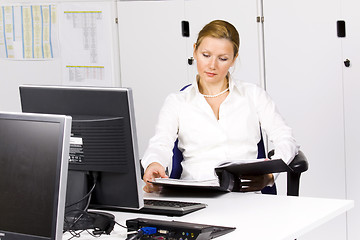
x=212, y=63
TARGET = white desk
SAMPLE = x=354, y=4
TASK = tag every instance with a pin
x=255, y=216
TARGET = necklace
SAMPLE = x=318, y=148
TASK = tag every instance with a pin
x=216, y=95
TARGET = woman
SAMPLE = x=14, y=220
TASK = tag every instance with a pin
x=217, y=118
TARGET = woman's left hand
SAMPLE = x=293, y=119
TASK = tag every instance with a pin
x=251, y=183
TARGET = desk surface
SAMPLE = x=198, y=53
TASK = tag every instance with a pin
x=255, y=216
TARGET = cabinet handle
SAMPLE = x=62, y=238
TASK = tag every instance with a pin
x=190, y=60
x=185, y=28
x=341, y=28
x=347, y=63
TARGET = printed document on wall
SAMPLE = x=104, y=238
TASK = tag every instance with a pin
x=28, y=32
x=86, y=44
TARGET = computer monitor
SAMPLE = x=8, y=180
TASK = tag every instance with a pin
x=103, y=141
x=34, y=149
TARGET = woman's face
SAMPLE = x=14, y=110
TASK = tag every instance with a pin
x=214, y=57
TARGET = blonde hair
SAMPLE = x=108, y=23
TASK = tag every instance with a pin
x=220, y=29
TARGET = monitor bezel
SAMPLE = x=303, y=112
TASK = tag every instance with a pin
x=61, y=172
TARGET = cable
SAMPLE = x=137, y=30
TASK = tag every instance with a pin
x=81, y=216
x=141, y=232
x=95, y=223
x=69, y=225
x=77, y=233
x=95, y=176
x=120, y=225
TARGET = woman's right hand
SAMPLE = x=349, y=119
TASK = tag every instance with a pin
x=154, y=170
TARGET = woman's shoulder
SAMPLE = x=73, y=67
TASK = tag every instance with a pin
x=248, y=88
x=181, y=95
x=183, y=92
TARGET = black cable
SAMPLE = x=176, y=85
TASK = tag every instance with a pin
x=120, y=225
x=81, y=216
x=95, y=176
x=83, y=212
x=75, y=234
x=93, y=234
x=77, y=219
x=86, y=196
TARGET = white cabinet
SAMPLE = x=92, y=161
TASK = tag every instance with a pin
x=152, y=57
x=306, y=77
x=351, y=51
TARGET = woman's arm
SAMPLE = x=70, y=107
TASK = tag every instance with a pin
x=278, y=132
x=161, y=144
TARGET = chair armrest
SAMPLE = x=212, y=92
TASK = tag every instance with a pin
x=299, y=164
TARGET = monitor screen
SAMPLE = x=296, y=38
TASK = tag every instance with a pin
x=103, y=141
x=34, y=149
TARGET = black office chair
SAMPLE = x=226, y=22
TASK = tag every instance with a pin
x=298, y=165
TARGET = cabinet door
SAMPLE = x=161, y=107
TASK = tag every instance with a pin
x=152, y=57
x=304, y=77
x=351, y=51
x=242, y=14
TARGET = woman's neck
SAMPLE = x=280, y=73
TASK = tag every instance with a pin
x=213, y=89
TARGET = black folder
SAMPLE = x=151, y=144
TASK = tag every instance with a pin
x=229, y=175
x=254, y=168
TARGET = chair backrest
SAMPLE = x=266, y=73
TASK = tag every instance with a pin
x=178, y=158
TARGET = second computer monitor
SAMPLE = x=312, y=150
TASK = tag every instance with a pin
x=103, y=141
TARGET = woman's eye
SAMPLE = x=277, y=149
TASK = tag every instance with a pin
x=206, y=55
x=223, y=59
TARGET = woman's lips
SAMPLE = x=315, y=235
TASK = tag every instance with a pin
x=210, y=74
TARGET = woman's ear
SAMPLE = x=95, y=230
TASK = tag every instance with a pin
x=194, y=52
x=234, y=60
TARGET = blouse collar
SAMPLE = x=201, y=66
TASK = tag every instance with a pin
x=195, y=86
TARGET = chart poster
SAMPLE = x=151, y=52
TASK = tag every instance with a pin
x=28, y=32
x=86, y=44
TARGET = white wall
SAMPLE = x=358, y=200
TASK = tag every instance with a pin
x=14, y=72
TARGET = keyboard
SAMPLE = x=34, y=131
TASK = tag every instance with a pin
x=163, y=207
x=171, y=208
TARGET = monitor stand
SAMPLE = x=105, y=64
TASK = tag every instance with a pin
x=77, y=215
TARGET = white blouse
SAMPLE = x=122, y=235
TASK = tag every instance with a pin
x=206, y=141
